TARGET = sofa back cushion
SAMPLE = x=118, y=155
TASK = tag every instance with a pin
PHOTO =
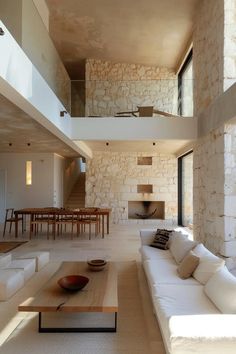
x=208, y=265
x=161, y=239
x=188, y=265
x=180, y=245
x=221, y=290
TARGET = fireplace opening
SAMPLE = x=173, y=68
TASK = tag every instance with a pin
x=146, y=209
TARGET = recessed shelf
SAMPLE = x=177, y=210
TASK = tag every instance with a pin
x=144, y=160
x=144, y=188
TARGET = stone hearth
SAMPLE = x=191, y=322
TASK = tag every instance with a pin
x=146, y=210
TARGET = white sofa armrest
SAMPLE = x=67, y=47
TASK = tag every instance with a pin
x=207, y=333
x=147, y=236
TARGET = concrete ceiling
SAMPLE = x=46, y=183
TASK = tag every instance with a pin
x=173, y=147
x=19, y=129
x=153, y=32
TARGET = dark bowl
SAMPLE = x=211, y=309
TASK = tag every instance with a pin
x=73, y=282
x=97, y=264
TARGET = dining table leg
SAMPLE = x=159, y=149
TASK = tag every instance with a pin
x=108, y=223
x=102, y=226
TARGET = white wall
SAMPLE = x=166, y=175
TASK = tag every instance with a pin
x=40, y=193
x=72, y=170
x=133, y=128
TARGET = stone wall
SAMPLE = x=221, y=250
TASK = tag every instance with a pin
x=208, y=190
x=230, y=188
x=112, y=178
x=214, y=66
x=229, y=44
x=208, y=42
x=116, y=87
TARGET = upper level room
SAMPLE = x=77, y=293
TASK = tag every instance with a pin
x=102, y=61
x=114, y=60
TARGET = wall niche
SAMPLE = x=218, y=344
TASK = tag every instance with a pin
x=144, y=160
x=144, y=188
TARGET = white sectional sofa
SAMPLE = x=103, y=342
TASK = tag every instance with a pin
x=14, y=273
x=189, y=320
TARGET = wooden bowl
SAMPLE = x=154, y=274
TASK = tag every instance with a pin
x=73, y=282
x=96, y=264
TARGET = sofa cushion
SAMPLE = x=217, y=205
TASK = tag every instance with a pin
x=225, y=299
x=161, y=239
x=5, y=259
x=172, y=301
x=188, y=265
x=180, y=245
x=148, y=253
x=11, y=280
x=164, y=271
x=208, y=265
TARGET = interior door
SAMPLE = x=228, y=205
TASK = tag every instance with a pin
x=3, y=190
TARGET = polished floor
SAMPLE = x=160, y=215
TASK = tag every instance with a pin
x=122, y=246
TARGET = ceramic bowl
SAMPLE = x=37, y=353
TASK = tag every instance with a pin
x=73, y=282
x=96, y=264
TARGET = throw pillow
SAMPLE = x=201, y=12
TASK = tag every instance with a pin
x=221, y=290
x=188, y=265
x=180, y=245
x=161, y=239
x=208, y=265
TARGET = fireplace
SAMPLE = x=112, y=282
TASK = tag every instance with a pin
x=146, y=210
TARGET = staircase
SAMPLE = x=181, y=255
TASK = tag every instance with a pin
x=77, y=196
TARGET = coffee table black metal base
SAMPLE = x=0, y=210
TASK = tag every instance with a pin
x=75, y=329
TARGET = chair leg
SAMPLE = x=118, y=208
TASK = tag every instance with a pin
x=10, y=227
x=31, y=227
x=4, y=230
x=72, y=229
x=48, y=231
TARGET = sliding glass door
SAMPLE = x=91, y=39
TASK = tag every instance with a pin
x=185, y=189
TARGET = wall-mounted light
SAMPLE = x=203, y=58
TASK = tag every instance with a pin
x=62, y=113
x=1, y=32
x=28, y=173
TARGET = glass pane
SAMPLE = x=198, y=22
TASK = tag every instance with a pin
x=187, y=90
x=187, y=190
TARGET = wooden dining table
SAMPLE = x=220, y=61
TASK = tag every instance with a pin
x=104, y=213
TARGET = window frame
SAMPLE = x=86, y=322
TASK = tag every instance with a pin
x=180, y=187
x=188, y=59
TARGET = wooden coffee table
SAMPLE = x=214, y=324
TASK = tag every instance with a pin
x=99, y=295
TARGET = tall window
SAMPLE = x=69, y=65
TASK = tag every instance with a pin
x=185, y=86
x=185, y=189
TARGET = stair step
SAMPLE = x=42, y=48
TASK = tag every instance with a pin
x=77, y=195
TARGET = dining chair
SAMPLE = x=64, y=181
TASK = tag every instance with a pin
x=145, y=111
x=39, y=219
x=65, y=217
x=88, y=216
x=11, y=218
